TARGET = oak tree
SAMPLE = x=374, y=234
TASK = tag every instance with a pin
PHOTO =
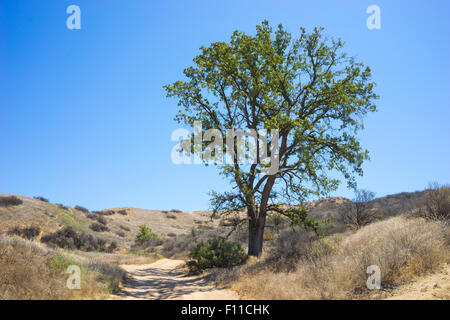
x=306, y=88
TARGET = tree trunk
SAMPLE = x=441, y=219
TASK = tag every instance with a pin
x=258, y=221
x=255, y=236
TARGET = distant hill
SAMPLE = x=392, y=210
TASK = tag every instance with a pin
x=123, y=223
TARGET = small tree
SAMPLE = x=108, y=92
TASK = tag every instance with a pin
x=437, y=202
x=145, y=234
x=360, y=214
x=307, y=89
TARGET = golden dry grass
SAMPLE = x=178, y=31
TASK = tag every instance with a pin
x=335, y=267
x=29, y=270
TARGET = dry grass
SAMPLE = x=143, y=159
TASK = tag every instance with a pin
x=335, y=267
x=28, y=270
x=119, y=258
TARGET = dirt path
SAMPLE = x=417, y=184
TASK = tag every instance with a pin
x=431, y=287
x=163, y=280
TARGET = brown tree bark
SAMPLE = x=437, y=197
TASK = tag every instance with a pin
x=255, y=235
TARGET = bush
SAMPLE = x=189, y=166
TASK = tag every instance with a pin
x=61, y=206
x=98, y=227
x=171, y=235
x=68, y=238
x=437, y=203
x=101, y=220
x=105, y=212
x=195, y=232
x=145, y=234
x=122, y=212
x=112, y=247
x=113, y=275
x=10, y=201
x=216, y=253
x=120, y=233
x=124, y=227
x=42, y=199
x=176, y=210
x=97, y=217
x=171, y=216
x=82, y=209
x=288, y=248
x=29, y=233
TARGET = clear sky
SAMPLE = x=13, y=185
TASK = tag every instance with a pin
x=84, y=118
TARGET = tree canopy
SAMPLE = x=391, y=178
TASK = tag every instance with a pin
x=306, y=88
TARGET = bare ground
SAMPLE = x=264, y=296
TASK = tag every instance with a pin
x=164, y=280
x=434, y=286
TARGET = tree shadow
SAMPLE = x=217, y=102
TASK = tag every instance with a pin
x=158, y=284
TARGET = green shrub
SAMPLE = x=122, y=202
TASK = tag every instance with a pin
x=145, y=234
x=61, y=262
x=216, y=253
x=196, y=231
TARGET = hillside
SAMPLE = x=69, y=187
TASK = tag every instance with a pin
x=123, y=223
x=409, y=251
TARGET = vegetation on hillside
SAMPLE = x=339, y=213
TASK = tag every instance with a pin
x=29, y=270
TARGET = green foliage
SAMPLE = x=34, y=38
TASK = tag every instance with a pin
x=61, y=262
x=216, y=253
x=145, y=234
x=196, y=231
x=299, y=217
x=307, y=88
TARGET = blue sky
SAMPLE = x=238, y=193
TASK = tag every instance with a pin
x=84, y=118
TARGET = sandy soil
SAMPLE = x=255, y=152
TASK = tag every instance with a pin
x=163, y=280
x=435, y=286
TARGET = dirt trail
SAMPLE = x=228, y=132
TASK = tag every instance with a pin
x=430, y=287
x=163, y=280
